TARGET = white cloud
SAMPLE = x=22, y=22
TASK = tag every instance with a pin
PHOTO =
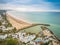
x=42, y=7
x=28, y=8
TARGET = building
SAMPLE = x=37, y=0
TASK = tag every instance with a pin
x=3, y=12
x=3, y=36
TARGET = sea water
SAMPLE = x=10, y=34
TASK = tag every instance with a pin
x=52, y=18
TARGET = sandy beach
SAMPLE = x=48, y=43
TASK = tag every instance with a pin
x=17, y=23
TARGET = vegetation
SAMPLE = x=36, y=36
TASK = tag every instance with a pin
x=12, y=42
x=47, y=43
x=0, y=23
x=0, y=31
x=5, y=19
x=2, y=42
x=9, y=41
x=14, y=30
x=8, y=25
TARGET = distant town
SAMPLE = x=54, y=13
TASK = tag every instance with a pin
x=12, y=35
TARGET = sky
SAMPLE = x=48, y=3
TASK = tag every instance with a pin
x=31, y=5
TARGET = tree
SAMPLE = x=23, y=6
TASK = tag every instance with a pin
x=14, y=30
x=9, y=25
x=0, y=23
x=12, y=41
x=1, y=31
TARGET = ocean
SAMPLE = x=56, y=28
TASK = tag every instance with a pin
x=52, y=18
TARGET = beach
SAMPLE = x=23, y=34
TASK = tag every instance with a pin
x=51, y=18
x=32, y=28
x=17, y=23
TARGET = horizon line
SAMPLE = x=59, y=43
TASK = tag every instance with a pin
x=32, y=10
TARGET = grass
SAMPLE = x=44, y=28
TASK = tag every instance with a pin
x=35, y=29
x=3, y=42
x=9, y=41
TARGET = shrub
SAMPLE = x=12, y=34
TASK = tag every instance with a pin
x=12, y=41
x=0, y=23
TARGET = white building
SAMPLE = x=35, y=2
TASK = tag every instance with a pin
x=0, y=17
x=3, y=36
x=47, y=32
x=4, y=23
x=14, y=36
x=2, y=27
x=27, y=38
x=6, y=29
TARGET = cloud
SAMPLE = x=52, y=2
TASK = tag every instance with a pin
x=28, y=8
x=42, y=6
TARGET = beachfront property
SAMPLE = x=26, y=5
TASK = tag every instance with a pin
x=26, y=37
x=28, y=34
x=4, y=24
x=0, y=18
x=36, y=39
x=3, y=12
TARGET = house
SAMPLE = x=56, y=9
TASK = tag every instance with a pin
x=2, y=27
x=10, y=28
x=3, y=12
x=6, y=29
x=14, y=36
x=3, y=36
x=47, y=32
x=0, y=17
x=4, y=23
x=26, y=38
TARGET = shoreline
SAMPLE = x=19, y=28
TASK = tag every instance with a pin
x=16, y=22
x=19, y=19
x=20, y=23
x=27, y=24
x=53, y=34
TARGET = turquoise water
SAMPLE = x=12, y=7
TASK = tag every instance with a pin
x=52, y=18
